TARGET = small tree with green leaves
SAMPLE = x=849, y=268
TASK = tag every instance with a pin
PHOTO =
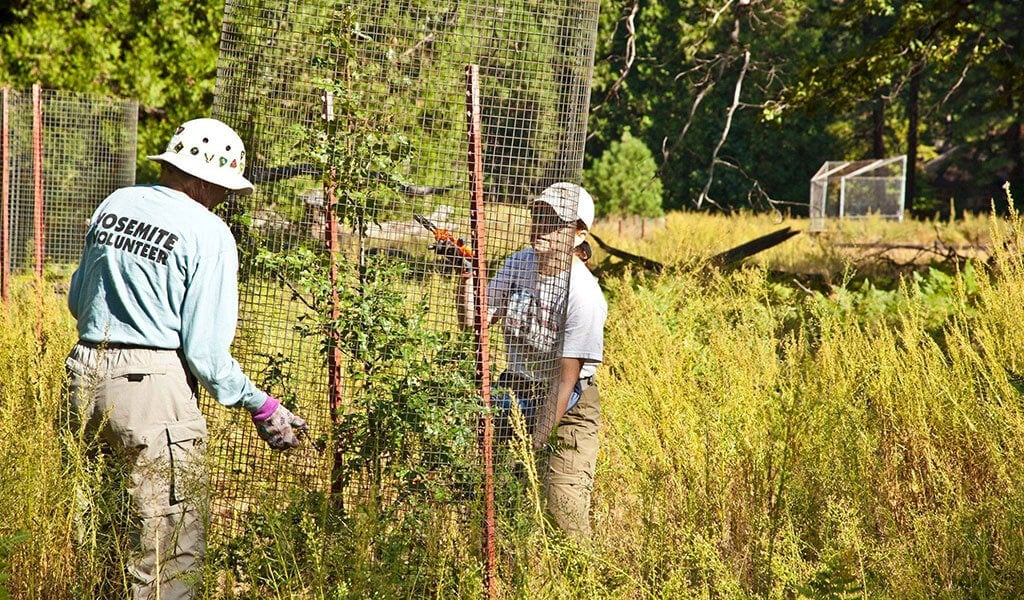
x=624, y=180
x=404, y=439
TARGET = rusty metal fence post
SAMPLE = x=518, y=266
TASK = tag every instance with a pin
x=334, y=380
x=480, y=319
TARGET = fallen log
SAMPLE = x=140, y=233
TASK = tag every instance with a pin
x=727, y=259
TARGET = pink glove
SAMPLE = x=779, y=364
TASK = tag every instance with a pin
x=277, y=426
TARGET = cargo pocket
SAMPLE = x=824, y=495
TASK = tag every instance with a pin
x=186, y=444
x=74, y=367
x=131, y=399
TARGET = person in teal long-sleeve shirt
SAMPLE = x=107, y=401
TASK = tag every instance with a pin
x=156, y=299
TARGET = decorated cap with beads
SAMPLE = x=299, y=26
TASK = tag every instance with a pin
x=210, y=150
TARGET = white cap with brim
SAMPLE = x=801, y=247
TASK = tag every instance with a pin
x=209, y=150
x=570, y=201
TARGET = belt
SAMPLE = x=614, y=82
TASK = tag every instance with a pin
x=520, y=384
x=118, y=346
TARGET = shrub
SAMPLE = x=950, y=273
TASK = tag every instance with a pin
x=624, y=180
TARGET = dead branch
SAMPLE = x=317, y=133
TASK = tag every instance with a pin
x=963, y=74
x=948, y=253
x=630, y=51
x=427, y=39
x=725, y=130
x=686, y=126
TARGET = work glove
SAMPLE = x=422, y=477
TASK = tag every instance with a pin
x=449, y=251
x=277, y=426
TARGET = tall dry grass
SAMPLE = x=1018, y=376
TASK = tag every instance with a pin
x=34, y=489
x=770, y=442
x=871, y=247
x=761, y=440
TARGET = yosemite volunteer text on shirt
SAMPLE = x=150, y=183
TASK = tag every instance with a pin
x=165, y=268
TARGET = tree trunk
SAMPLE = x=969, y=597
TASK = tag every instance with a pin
x=913, y=118
x=1016, y=153
x=878, y=128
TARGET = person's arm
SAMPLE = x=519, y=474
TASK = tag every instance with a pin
x=75, y=290
x=209, y=316
x=464, y=300
x=583, y=343
x=497, y=288
x=74, y=293
x=554, y=408
x=569, y=376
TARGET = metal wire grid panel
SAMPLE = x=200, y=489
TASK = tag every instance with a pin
x=355, y=123
x=62, y=153
x=855, y=189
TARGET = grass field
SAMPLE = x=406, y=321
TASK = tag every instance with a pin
x=834, y=420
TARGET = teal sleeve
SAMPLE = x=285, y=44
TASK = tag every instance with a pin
x=209, y=317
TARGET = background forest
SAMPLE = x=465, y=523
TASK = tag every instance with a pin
x=719, y=105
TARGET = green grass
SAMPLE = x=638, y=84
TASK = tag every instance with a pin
x=761, y=439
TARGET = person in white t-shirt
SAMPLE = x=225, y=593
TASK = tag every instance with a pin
x=552, y=313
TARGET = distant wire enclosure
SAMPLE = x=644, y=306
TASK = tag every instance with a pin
x=354, y=115
x=87, y=148
x=854, y=189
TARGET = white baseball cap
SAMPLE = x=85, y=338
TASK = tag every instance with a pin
x=209, y=150
x=570, y=201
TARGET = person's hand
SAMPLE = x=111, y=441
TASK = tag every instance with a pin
x=542, y=436
x=277, y=426
x=452, y=255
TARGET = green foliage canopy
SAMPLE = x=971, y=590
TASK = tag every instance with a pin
x=161, y=52
x=824, y=80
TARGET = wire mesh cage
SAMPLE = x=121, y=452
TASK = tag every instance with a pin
x=854, y=189
x=62, y=153
x=397, y=147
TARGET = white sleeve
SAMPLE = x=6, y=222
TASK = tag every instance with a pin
x=498, y=288
x=584, y=320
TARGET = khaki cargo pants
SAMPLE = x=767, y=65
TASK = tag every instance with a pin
x=572, y=463
x=140, y=405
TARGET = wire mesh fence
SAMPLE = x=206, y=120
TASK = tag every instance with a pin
x=856, y=189
x=61, y=153
x=355, y=304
